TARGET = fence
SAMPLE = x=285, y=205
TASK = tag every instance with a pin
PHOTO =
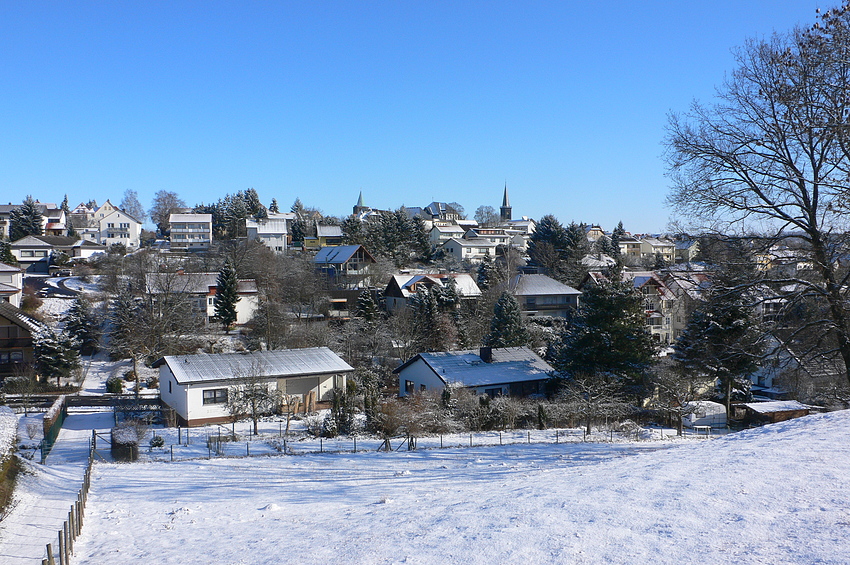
x=72, y=527
x=52, y=433
x=224, y=442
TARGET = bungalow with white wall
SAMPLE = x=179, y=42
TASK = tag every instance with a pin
x=497, y=371
x=197, y=386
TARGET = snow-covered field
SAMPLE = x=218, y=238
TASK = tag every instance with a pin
x=776, y=495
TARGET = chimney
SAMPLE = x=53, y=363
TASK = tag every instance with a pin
x=486, y=354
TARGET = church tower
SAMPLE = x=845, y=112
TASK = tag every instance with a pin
x=359, y=207
x=505, y=210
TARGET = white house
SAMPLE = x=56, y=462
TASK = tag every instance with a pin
x=190, y=232
x=514, y=371
x=443, y=232
x=197, y=386
x=473, y=250
x=33, y=252
x=273, y=231
x=402, y=287
x=202, y=287
x=11, y=284
x=119, y=227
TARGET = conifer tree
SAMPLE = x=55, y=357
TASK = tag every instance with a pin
x=273, y=207
x=484, y=276
x=607, y=338
x=506, y=328
x=56, y=355
x=81, y=325
x=226, y=295
x=615, y=239
x=25, y=220
x=366, y=307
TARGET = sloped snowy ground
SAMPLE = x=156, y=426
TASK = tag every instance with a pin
x=773, y=495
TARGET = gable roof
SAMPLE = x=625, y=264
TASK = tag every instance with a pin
x=19, y=317
x=6, y=268
x=538, y=285
x=119, y=211
x=328, y=231
x=465, y=367
x=338, y=255
x=281, y=363
x=56, y=241
x=400, y=285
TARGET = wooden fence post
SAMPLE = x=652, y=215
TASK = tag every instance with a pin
x=62, y=548
x=50, y=559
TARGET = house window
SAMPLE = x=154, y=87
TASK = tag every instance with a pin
x=169, y=387
x=493, y=392
x=215, y=396
x=110, y=225
x=409, y=387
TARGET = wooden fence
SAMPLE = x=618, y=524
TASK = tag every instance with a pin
x=73, y=526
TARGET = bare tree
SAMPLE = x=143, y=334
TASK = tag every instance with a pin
x=772, y=155
x=591, y=397
x=253, y=396
x=164, y=204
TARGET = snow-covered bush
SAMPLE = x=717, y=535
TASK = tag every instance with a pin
x=115, y=385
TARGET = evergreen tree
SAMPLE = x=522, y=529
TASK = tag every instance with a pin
x=485, y=273
x=262, y=213
x=721, y=342
x=615, y=239
x=366, y=307
x=81, y=325
x=226, y=295
x=252, y=202
x=6, y=254
x=65, y=207
x=506, y=329
x=607, y=337
x=273, y=207
x=25, y=220
x=56, y=355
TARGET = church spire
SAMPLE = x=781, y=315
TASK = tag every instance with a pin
x=505, y=209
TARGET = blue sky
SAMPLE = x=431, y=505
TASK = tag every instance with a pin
x=409, y=102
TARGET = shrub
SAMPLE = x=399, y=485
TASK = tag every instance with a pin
x=115, y=385
x=157, y=441
x=153, y=382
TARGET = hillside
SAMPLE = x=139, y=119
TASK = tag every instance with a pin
x=777, y=494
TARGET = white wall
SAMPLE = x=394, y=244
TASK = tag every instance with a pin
x=421, y=374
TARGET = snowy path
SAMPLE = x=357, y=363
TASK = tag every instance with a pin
x=44, y=493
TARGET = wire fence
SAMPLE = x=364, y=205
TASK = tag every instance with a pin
x=224, y=442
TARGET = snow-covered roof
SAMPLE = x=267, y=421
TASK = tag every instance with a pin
x=337, y=255
x=279, y=363
x=328, y=231
x=539, y=285
x=196, y=218
x=19, y=317
x=6, y=268
x=466, y=367
x=776, y=406
x=465, y=285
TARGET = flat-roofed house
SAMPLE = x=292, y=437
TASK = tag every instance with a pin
x=190, y=232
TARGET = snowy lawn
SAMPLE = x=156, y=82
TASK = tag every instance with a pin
x=776, y=495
